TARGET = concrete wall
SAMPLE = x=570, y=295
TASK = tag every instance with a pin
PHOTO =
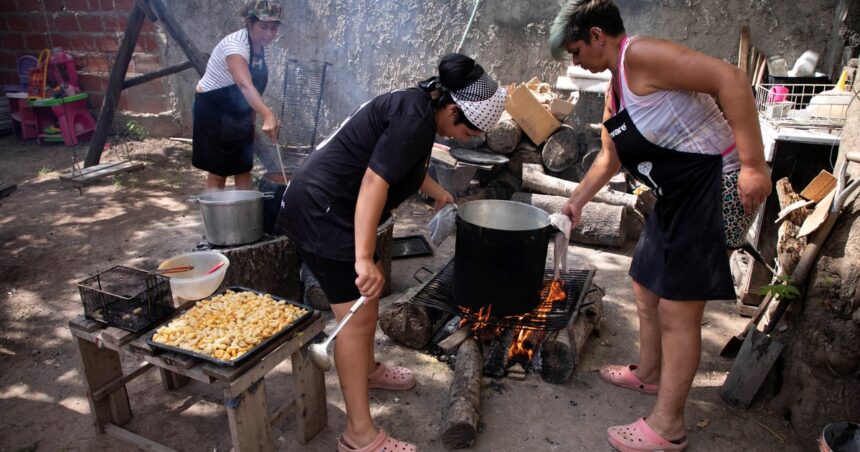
x=378, y=46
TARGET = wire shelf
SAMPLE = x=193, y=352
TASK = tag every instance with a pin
x=803, y=105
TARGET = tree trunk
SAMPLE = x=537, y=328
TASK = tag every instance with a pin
x=561, y=149
x=788, y=246
x=536, y=180
x=504, y=137
x=521, y=156
x=561, y=353
x=464, y=401
x=600, y=224
x=271, y=266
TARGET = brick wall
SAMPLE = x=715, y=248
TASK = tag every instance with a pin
x=90, y=31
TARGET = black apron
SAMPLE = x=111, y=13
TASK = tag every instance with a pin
x=682, y=253
x=224, y=125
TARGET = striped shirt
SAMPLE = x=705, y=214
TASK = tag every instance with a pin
x=217, y=74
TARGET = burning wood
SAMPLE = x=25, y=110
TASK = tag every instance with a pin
x=561, y=351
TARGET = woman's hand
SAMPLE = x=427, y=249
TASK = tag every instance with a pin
x=370, y=279
x=444, y=198
x=573, y=211
x=754, y=186
x=270, y=126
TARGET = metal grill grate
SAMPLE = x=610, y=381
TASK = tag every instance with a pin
x=301, y=99
x=437, y=293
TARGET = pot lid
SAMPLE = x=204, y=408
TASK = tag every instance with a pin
x=478, y=157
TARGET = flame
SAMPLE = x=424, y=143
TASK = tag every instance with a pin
x=518, y=346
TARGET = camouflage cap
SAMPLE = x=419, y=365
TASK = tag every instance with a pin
x=266, y=11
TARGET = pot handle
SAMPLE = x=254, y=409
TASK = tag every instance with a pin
x=193, y=200
x=269, y=195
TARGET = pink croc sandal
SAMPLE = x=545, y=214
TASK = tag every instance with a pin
x=395, y=378
x=623, y=376
x=382, y=443
x=639, y=436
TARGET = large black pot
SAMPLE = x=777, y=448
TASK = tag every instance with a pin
x=500, y=256
x=275, y=183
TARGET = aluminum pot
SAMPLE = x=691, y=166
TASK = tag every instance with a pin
x=232, y=217
x=500, y=256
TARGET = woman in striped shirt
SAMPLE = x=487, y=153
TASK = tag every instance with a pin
x=229, y=97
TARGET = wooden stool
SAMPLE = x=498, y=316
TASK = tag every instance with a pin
x=244, y=392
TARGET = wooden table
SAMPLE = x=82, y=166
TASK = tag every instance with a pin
x=248, y=415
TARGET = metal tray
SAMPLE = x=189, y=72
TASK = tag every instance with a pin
x=301, y=320
x=409, y=246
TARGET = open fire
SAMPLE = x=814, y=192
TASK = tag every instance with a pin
x=525, y=340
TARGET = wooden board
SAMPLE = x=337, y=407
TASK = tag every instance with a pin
x=819, y=187
x=248, y=415
x=819, y=215
x=133, y=438
x=94, y=173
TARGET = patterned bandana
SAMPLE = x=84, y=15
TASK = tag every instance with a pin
x=482, y=101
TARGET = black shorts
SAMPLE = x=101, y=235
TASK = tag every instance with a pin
x=336, y=278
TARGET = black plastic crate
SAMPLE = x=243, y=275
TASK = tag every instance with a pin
x=126, y=298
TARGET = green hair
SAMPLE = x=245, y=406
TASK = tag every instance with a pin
x=576, y=17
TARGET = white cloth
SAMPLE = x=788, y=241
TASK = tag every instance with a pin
x=443, y=224
x=562, y=239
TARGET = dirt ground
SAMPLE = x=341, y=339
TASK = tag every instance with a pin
x=52, y=236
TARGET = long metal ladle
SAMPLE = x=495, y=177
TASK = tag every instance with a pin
x=319, y=353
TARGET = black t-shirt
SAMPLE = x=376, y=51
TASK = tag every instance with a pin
x=392, y=135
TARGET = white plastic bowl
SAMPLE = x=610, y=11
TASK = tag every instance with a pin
x=196, y=284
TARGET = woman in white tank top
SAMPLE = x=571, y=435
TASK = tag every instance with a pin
x=706, y=167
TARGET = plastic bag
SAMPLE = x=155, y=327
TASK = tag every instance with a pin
x=443, y=224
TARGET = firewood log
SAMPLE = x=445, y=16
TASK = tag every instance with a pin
x=534, y=179
x=600, y=224
x=464, y=400
x=504, y=137
x=407, y=323
x=520, y=156
x=561, y=351
x=561, y=149
x=787, y=196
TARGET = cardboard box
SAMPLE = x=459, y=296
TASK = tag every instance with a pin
x=535, y=120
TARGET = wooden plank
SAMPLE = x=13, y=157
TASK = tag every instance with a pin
x=84, y=324
x=114, y=88
x=228, y=374
x=744, y=49
x=118, y=336
x=99, y=367
x=83, y=172
x=818, y=216
x=247, y=414
x=112, y=385
x=195, y=373
x=197, y=59
x=135, y=439
x=454, y=340
x=309, y=390
x=823, y=183
x=103, y=172
x=172, y=380
x=154, y=75
x=271, y=360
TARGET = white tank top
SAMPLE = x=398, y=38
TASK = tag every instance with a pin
x=681, y=120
